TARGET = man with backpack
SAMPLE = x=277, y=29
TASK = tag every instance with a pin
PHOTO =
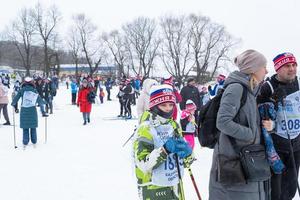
x=283, y=90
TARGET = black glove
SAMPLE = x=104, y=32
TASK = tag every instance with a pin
x=16, y=110
x=209, y=87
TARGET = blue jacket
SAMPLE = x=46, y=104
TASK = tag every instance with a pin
x=74, y=87
x=137, y=84
x=108, y=84
x=28, y=113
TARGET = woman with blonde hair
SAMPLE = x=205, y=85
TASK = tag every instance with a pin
x=240, y=127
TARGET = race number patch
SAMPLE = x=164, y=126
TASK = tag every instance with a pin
x=292, y=111
x=29, y=99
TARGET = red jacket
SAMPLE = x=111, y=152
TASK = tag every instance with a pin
x=85, y=105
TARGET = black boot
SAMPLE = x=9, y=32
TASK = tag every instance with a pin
x=7, y=123
x=88, y=120
x=84, y=123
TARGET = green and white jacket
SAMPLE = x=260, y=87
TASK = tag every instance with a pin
x=154, y=168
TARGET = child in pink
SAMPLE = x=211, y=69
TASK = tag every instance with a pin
x=187, y=122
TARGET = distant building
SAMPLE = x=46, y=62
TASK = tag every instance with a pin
x=6, y=70
x=84, y=68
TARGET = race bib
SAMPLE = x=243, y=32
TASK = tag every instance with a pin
x=29, y=99
x=190, y=128
x=292, y=111
x=166, y=174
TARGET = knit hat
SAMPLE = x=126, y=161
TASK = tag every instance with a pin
x=282, y=59
x=127, y=81
x=250, y=61
x=28, y=79
x=190, y=105
x=190, y=79
x=221, y=77
x=161, y=94
x=168, y=79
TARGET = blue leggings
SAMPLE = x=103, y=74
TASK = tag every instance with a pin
x=32, y=135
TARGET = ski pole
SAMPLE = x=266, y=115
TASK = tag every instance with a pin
x=290, y=145
x=14, y=128
x=194, y=183
x=46, y=130
x=130, y=137
x=180, y=178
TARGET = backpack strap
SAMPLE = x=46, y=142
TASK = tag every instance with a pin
x=271, y=86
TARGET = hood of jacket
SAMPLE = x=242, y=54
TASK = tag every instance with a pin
x=148, y=83
x=244, y=79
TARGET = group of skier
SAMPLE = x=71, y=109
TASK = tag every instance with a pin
x=162, y=147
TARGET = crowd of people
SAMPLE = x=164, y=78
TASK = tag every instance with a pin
x=243, y=167
x=169, y=122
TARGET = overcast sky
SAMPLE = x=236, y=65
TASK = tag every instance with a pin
x=269, y=26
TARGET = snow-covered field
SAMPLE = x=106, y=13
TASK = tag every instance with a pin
x=79, y=162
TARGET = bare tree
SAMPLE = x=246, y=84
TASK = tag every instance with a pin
x=116, y=44
x=46, y=21
x=91, y=43
x=142, y=44
x=55, y=53
x=210, y=43
x=176, y=47
x=21, y=33
x=74, y=44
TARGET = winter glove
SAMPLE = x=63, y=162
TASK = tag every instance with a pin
x=183, y=149
x=178, y=146
x=170, y=145
x=209, y=87
x=77, y=104
x=16, y=110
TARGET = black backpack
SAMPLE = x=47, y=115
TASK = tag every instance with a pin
x=208, y=134
x=91, y=97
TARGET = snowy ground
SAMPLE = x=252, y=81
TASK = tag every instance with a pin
x=80, y=162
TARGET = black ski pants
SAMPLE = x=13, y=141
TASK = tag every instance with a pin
x=74, y=98
x=128, y=106
x=284, y=186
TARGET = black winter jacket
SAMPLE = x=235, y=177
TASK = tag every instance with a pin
x=267, y=95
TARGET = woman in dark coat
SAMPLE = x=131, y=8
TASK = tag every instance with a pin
x=28, y=113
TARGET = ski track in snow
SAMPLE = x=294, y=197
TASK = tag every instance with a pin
x=80, y=162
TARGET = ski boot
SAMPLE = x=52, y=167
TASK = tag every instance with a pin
x=7, y=123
